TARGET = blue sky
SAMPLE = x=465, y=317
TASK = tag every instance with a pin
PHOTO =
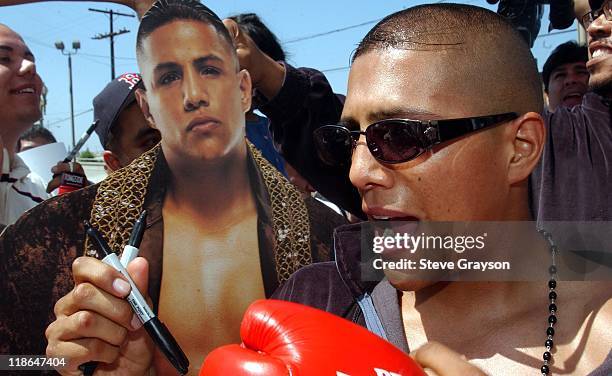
x=42, y=24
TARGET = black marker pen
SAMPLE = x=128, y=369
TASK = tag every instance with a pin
x=130, y=251
x=156, y=329
x=81, y=142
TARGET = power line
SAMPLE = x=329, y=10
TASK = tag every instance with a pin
x=68, y=118
x=335, y=69
x=106, y=57
x=312, y=36
x=93, y=60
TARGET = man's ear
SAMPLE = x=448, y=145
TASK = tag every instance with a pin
x=529, y=137
x=246, y=88
x=141, y=98
x=111, y=161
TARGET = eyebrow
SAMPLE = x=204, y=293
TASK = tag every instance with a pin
x=199, y=61
x=411, y=113
x=11, y=49
x=165, y=66
x=205, y=59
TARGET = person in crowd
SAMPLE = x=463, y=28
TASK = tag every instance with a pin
x=296, y=101
x=33, y=137
x=122, y=129
x=38, y=136
x=400, y=71
x=573, y=179
x=565, y=75
x=224, y=227
x=257, y=127
x=20, y=90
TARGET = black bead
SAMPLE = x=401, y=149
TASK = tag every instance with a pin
x=546, y=356
x=552, y=283
x=545, y=370
x=550, y=331
x=552, y=295
x=549, y=343
x=552, y=308
x=552, y=269
x=552, y=319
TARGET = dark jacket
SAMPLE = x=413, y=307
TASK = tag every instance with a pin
x=337, y=287
x=305, y=102
x=573, y=180
x=37, y=252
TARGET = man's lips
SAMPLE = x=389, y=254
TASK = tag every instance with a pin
x=383, y=214
x=598, y=52
x=27, y=89
x=573, y=96
x=202, y=124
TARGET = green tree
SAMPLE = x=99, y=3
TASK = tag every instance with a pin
x=86, y=154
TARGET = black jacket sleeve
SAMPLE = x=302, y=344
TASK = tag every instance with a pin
x=305, y=102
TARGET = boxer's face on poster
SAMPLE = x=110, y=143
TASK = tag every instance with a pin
x=463, y=179
x=195, y=94
x=20, y=85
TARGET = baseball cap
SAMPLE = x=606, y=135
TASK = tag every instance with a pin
x=114, y=98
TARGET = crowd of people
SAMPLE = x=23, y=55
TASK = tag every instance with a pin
x=436, y=126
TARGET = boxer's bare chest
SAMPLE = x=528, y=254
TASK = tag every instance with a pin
x=208, y=281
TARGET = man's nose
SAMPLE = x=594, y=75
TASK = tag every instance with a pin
x=195, y=93
x=600, y=27
x=28, y=67
x=366, y=172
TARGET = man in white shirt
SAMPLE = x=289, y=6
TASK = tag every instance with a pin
x=20, y=88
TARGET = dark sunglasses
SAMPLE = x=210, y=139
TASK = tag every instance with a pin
x=397, y=140
x=601, y=7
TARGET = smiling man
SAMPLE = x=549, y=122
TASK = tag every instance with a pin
x=223, y=226
x=20, y=88
x=565, y=75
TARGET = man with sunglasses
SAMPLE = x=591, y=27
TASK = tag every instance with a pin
x=443, y=124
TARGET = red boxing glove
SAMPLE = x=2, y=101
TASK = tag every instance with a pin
x=282, y=338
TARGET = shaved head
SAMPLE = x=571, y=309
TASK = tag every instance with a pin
x=488, y=61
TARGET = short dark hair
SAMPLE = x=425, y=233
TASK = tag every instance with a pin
x=413, y=28
x=485, y=54
x=565, y=53
x=263, y=37
x=36, y=131
x=165, y=11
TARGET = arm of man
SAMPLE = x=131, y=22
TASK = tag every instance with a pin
x=139, y=6
x=299, y=101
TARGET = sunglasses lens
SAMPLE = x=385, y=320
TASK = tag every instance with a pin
x=394, y=141
x=334, y=145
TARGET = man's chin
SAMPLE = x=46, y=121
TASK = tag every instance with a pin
x=601, y=84
x=400, y=281
x=31, y=116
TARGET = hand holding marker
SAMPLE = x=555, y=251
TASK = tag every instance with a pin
x=156, y=329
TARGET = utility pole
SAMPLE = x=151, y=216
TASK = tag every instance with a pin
x=112, y=34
